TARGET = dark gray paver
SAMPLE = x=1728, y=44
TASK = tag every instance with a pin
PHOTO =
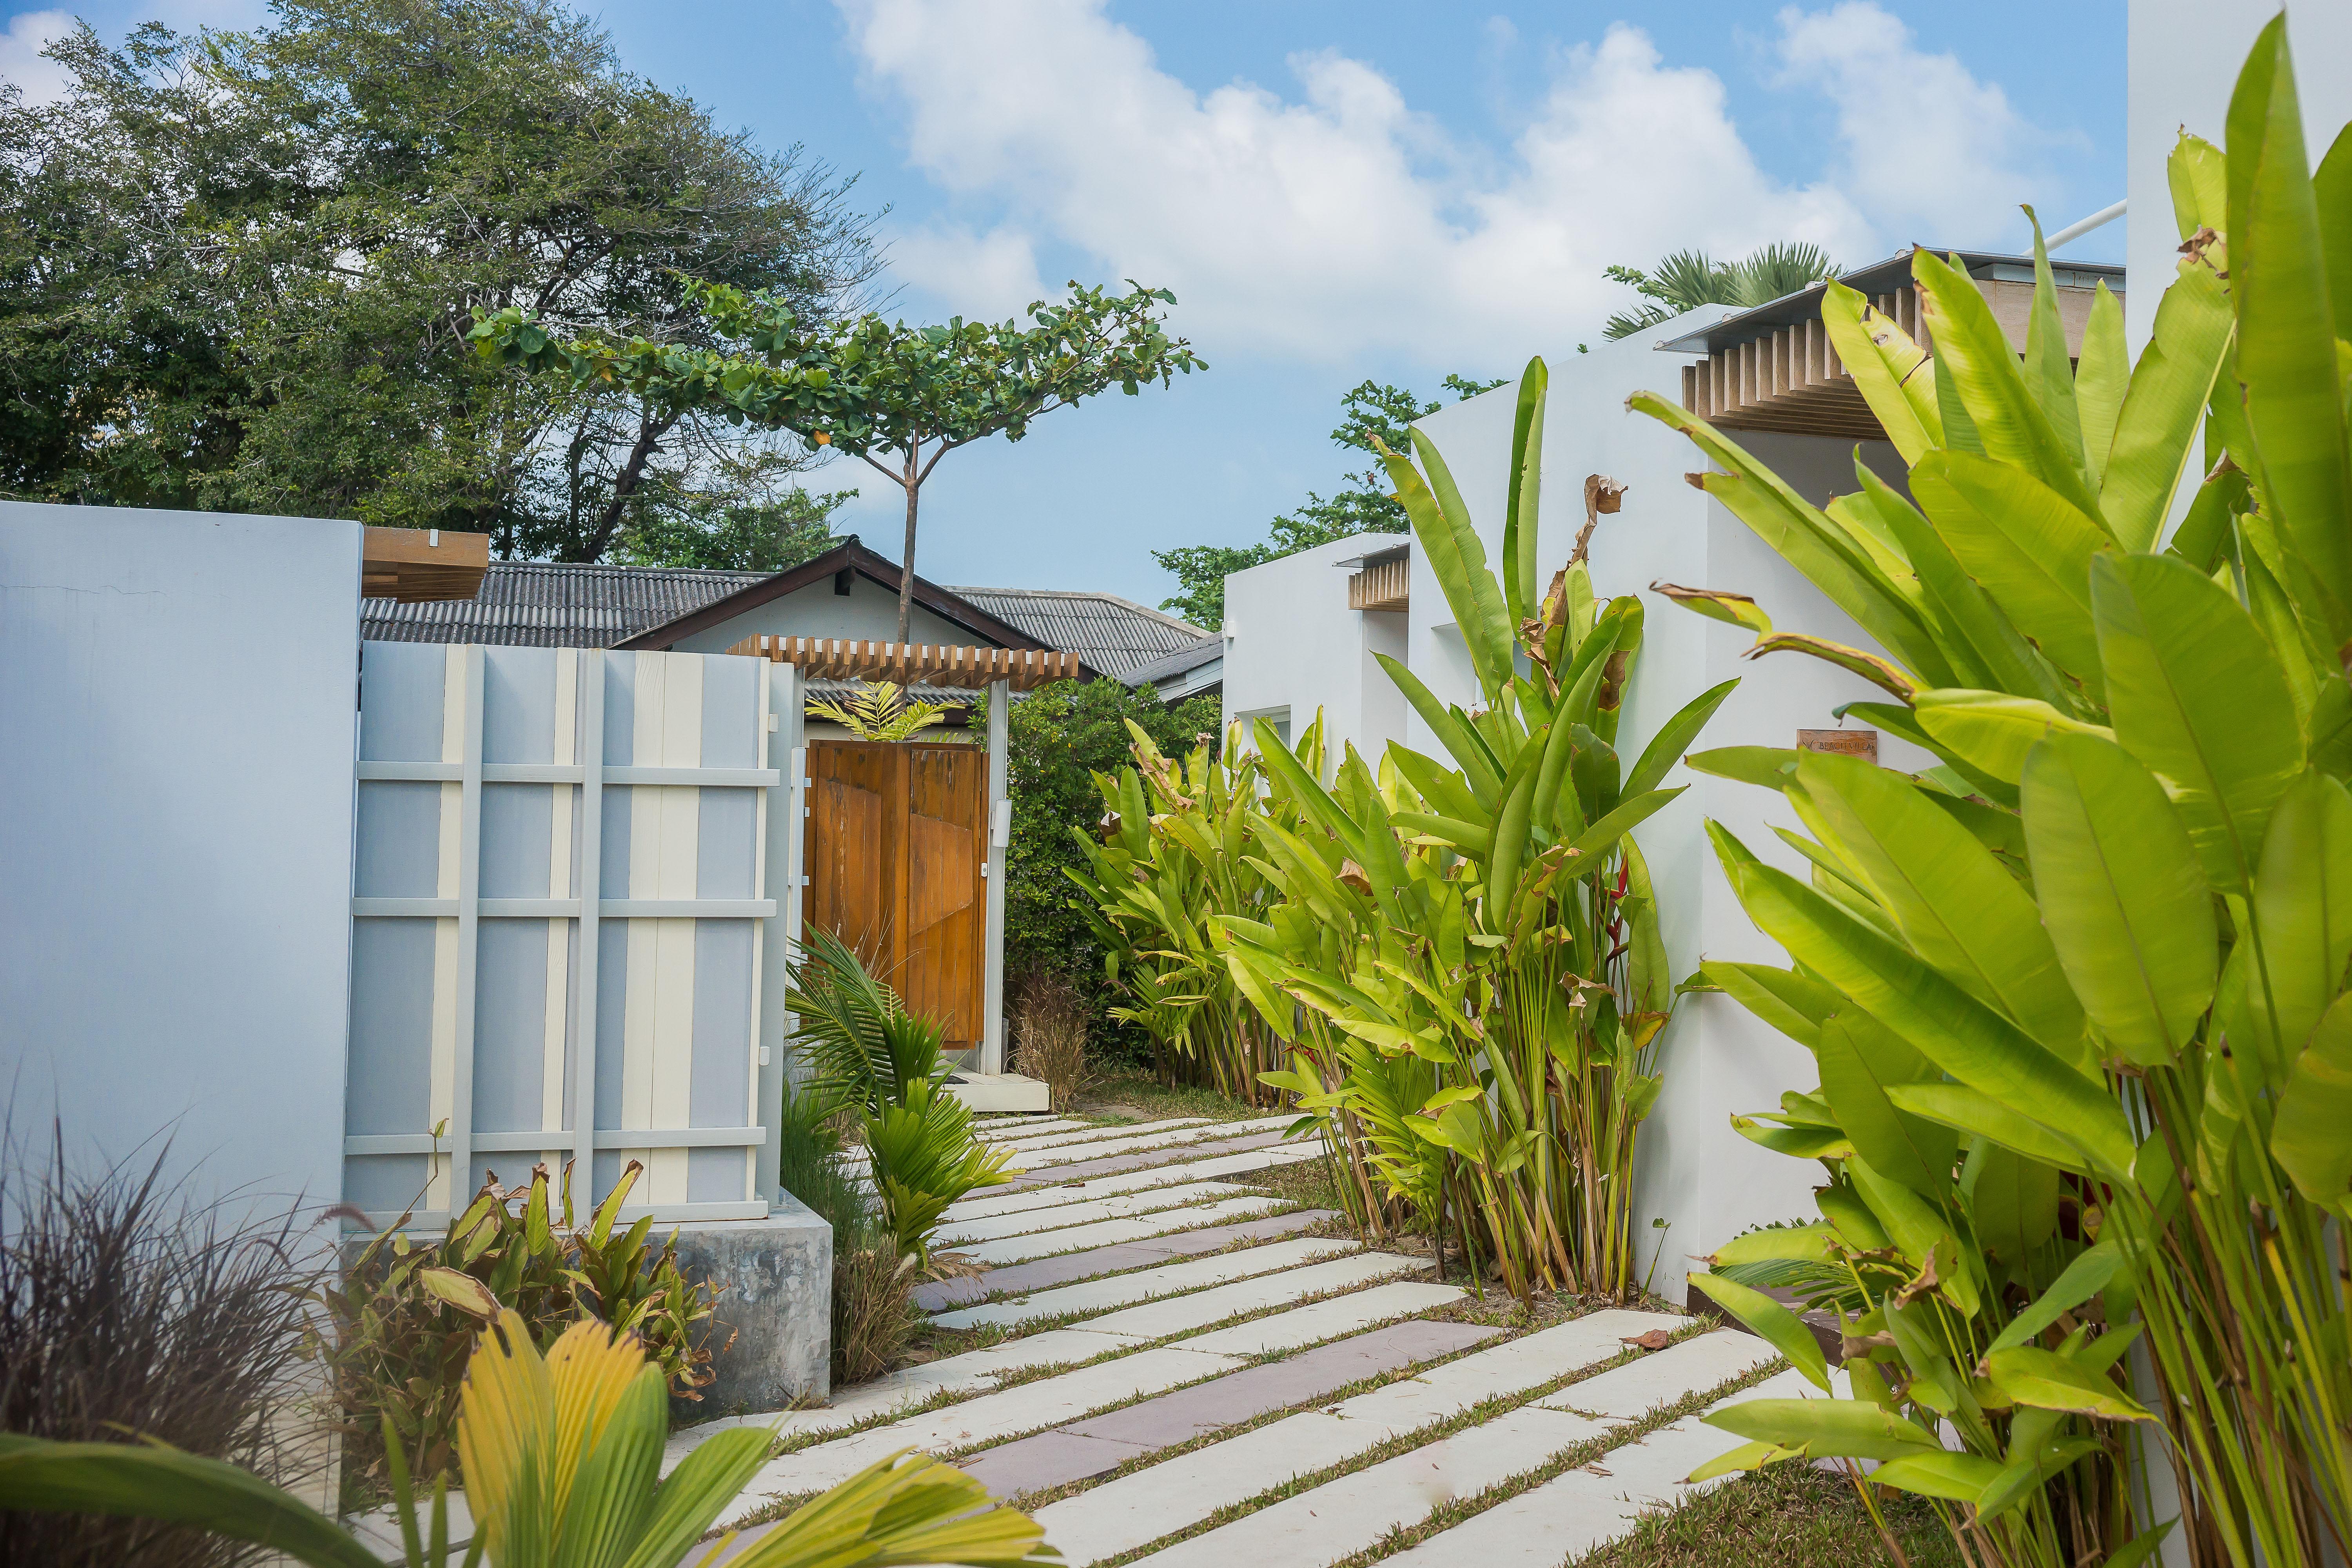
x=1099, y=1443
x=1141, y=1160
x=1072, y=1267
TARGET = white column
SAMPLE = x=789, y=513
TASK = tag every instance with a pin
x=787, y=831
x=1000, y=832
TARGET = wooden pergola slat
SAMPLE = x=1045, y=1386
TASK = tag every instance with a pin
x=913, y=664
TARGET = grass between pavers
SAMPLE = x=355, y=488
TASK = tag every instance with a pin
x=1455, y=1510
x=1124, y=1095
x=1235, y=1190
x=1792, y=1516
x=1015, y=1378
x=1476, y=1414
x=1274, y=1213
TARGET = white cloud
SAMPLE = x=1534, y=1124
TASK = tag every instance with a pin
x=30, y=32
x=1340, y=220
x=1929, y=150
x=990, y=275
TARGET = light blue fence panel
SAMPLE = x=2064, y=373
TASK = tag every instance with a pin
x=560, y=896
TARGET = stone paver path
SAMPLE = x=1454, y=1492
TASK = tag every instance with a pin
x=1193, y=1383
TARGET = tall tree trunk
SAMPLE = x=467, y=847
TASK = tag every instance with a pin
x=649, y=434
x=907, y=562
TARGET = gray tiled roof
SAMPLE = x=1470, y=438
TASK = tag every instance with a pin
x=543, y=603
x=1182, y=660
x=1110, y=633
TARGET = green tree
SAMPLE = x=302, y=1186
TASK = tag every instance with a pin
x=1689, y=279
x=237, y=271
x=1370, y=413
x=1057, y=738
x=733, y=530
x=870, y=388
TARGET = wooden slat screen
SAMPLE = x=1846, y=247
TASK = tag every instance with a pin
x=913, y=664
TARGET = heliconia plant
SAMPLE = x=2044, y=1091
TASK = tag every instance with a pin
x=1465, y=951
x=1174, y=851
x=2077, y=993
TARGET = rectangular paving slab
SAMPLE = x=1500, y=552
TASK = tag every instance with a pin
x=1074, y=1265
x=1661, y=1377
x=1081, y=1191
x=1142, y=1284
x=1028, y=1222
x=1094, y=1132
x=973, y=1371
x=1102, y=1443
x=1141, y=1159
x=1327, y=1320
x=1346, y=1516
x=992, y=1417
x=1135, y=1510
x=1021, y=1248
x=1119, y=1141
x=1158, y=1320
x=1581, y=1509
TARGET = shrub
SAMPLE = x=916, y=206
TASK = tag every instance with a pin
x=871, y=1054
x=1049, y=1035
x=565, y=1453
x=401, y=1325
x=1057, y=738
x=123, y=1313
x=872, y=1279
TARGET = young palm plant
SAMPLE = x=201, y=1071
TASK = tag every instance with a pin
x=562, y=1455
x=2095, y=957
x=867, y=1052
x=880, y=710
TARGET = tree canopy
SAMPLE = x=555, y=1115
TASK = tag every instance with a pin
x=1365, y=505
x=237, y=270
x=870, y=388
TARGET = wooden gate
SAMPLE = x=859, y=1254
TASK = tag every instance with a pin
x=896, y=862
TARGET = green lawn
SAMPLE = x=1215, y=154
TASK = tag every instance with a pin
x=1790, y=1516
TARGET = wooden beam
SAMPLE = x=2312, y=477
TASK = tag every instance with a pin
x=913, y=664
x=420, y=565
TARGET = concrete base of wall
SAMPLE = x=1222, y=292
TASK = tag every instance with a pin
x=775, y=1282
x=984, y=1091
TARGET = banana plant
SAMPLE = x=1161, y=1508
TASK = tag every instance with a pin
x=562, y=1457
x=2106, y=934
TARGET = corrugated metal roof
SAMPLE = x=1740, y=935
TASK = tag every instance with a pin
x=1110, y=633
x=1184, y=660
x=545, y=603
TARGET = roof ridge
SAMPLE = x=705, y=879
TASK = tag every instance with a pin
x=1161, y=615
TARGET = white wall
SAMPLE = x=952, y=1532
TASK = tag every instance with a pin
x=2184, y=57
x=1702, y=1178
x=1293, y=642
x=868, y=612
x=178, y=707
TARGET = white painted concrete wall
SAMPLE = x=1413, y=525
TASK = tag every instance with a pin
x=178, y=708
x=2183, y=60
x=1294, y=645
x=868, y=612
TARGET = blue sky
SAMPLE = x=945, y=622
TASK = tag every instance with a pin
x=1336, y=191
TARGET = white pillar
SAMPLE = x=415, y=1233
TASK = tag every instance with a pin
x=1000, y=833
x=787, y=832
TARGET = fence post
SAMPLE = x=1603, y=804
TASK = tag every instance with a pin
x=1000, y=829
x=781, y=930
x=590, y=888
x=470, y=887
